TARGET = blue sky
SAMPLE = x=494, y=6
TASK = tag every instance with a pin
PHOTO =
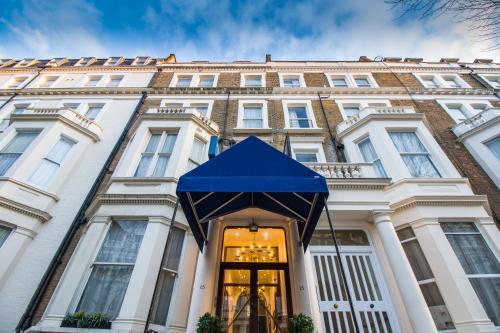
x=228, y=30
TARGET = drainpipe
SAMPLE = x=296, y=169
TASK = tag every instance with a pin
x=224, y=134
x=25, y=321
x=480, y=79
x=338, y=148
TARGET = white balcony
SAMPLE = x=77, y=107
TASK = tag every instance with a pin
x=344, y=170
x=483, y=119
x=181, y=112
x=375, y=112
x=66, y=115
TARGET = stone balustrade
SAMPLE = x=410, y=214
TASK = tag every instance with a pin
x=344, y=170
x=382, y=110
x=169, y=111
x=486, y=116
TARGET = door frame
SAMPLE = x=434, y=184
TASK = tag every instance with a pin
x=253, y=267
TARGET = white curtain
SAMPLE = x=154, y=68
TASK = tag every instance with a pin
x=414, y=155
x=252, y=117
x=15, y=149
x=488, y=291
x=164, y=155
x=298, y=117
x=4, y=234
x=197, y=150
x=147, y=156
x=370, y=155
x=108, y=283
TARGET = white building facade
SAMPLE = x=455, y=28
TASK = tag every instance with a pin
x=418, y=236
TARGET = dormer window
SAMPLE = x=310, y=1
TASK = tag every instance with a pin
x=57, y=62
x=86, y=61
x=25, y=63
x=113, y=61
x=6, y=62
x=141, y=61
x=206, y=81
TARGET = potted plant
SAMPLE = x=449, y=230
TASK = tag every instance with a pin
x=300, y=323
x=81, y=319
x=209, y=324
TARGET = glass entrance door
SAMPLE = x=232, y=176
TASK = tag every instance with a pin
x=254, y=299
x=254, y=286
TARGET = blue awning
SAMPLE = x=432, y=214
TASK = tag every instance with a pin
x=252, y=174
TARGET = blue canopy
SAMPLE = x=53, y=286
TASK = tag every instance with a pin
x=252, y=174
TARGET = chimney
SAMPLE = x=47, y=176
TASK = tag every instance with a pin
x=171, y=59
x=364, y=59
x=268, y=57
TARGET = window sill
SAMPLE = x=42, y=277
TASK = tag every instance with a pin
x=241, y=130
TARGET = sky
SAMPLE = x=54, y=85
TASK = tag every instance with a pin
x=225, y=30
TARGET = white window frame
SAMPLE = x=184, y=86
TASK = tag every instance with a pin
x=156, y=154
x=440, y=81
x=362, y=139
x=262, y=79
x=350, y=79
x=43, y=81
x=88, y=79
x=241, y=106
x=466, y=106
x=302, y=82
x=309, y=111
x=301, y=144
x=489, y=140
x=19, y=85
x=195, y=79
x=93, y=104
x=489, y=81
x=85, y=61
x=110, y=79
x=362, y=103
x=186, y=103
x=110, y=62
x=204, y=152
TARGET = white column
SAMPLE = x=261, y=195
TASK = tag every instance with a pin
x=206, y=278
x=137, y=300
x=12, y=249
x=461, y=300
x=416, y=308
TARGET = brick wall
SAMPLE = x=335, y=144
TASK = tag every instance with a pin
x=397, y=80
x=161, y=79
x=334, y=117
x=471, y=81
x=272, y=79
x=440, y=125
x=219, y=113
x=315, y=80
x=229, y=80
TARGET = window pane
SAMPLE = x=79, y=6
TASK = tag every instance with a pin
x=494, y=146
x=450, y=227
x=184, y=81
x=474, y=254
x=252, y=117
x=407, y=142
x=153, y=143
x=169, y=144
x=122, y=242
x=362, y=82
x=197, y=150
x=405, y=233
x=60, y=150
x=488, y=291
x=105, y=290
x=4, y=234
x=306, y=157
x=93, y=111
x=206, y=81
x=174, y=249
x=420, y=166
x=436, y=305
x=14, y=149
x=417, y=260
x=351, y=111
x=339, y=82
x=456, y=113
x=344, y=237
x=142, y=168
x=161, y=166
x=44, y=174
x=253, y=81
x=291, y=82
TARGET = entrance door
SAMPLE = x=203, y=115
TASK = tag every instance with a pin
x=254, y=286
x=367, y=289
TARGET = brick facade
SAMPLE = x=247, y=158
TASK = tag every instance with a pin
x=315, y=80
x=229, y=80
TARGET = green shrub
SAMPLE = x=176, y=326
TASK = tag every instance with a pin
x=209, y=324
x=81, y=319
x=300, y=323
